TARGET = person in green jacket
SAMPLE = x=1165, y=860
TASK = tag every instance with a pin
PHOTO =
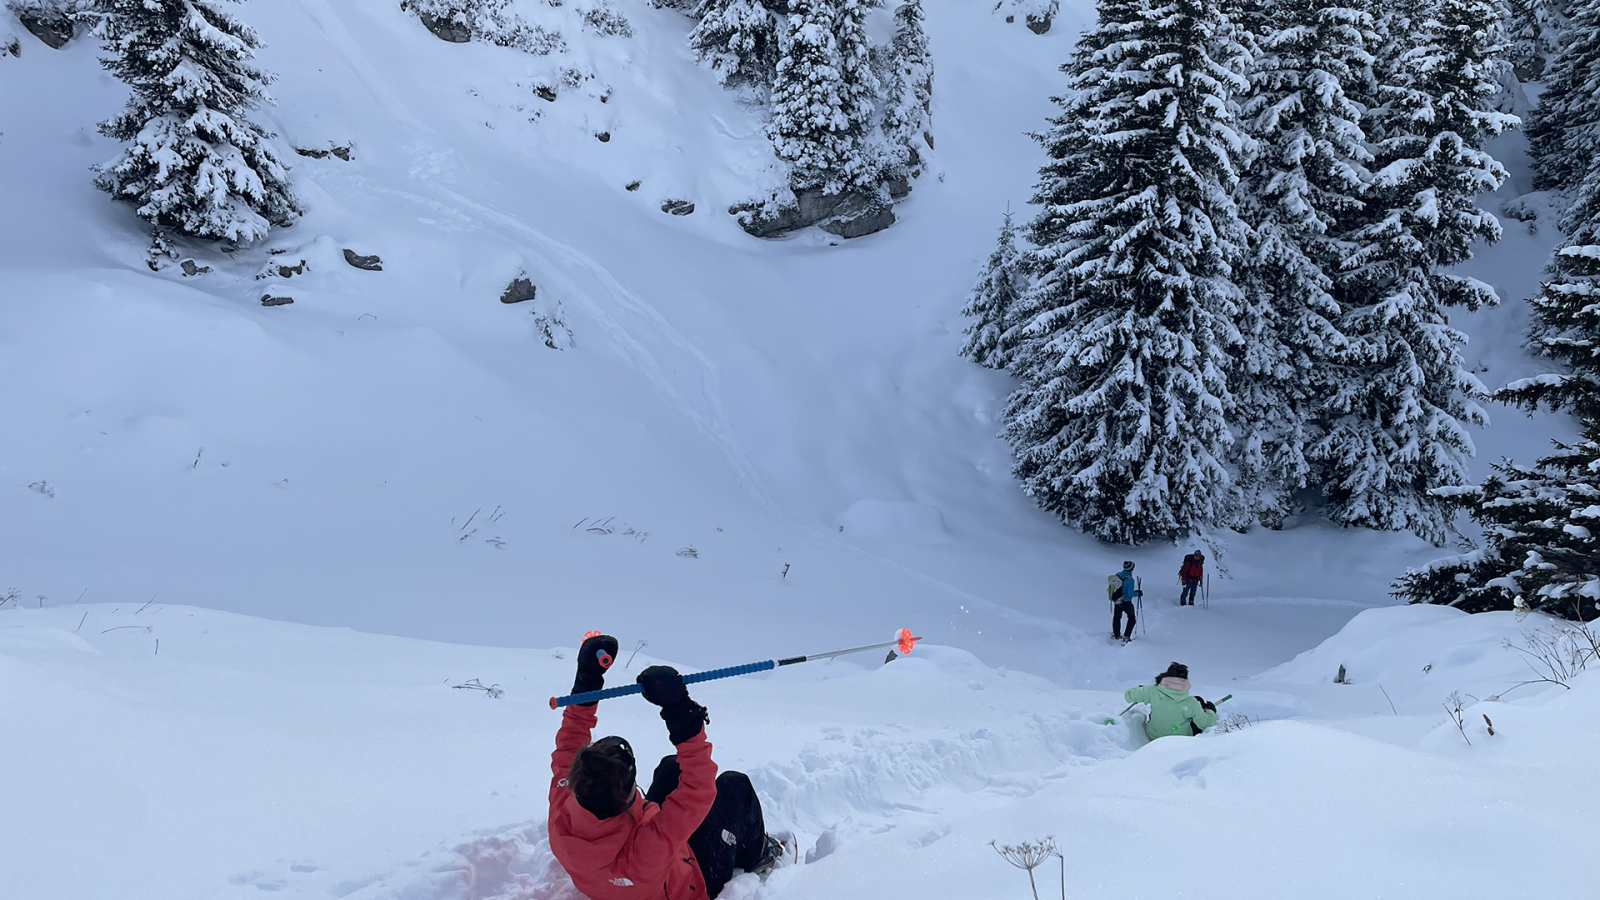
x=1172, y=710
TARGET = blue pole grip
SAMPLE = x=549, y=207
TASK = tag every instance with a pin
x=696, y=678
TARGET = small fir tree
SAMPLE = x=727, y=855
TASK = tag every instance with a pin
x=1120, y=424
x=738, y=39
x=1393, y=431
x=194, y=161
x=1303, y=186
x=1564, y=131
x=992, y=303
x=908, y=96
x=858, y=92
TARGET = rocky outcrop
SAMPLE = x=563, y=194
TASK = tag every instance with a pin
x=320, y=153
x=677, y=207
x=446, y=29
x=269, y=300
x=369, y=263
x=50, y=26
x=191, y=268
x=519, y=290
x=1039, y=24
x=848, y=215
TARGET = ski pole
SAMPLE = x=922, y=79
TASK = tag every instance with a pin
x=1132, y=705
x=904, y=642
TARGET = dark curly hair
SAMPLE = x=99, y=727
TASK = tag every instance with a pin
x=602, y=777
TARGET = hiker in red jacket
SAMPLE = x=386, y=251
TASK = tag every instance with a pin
x=1191, y=573
x=680, y=840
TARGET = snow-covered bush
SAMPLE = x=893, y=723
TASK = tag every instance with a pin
x=604, y=19
x=194, y=161
x=487, y=20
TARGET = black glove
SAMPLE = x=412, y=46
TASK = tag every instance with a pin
x=596, y=655
x=1207, y=705
x=665, y=780
x=1138, y=593
x=664, y=687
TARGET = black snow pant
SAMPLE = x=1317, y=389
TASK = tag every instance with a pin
x=1186, y=598
x=1118, y=610
x=732, y=835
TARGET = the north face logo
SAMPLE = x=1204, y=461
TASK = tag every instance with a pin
x=622, y=882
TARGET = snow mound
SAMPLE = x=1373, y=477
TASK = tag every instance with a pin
x=898, y=520
x=1421, y=653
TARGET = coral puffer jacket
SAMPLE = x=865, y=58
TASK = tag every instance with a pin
x=642, y=853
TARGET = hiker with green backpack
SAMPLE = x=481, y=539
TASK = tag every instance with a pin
x=1172, y=709
x=1121, y=589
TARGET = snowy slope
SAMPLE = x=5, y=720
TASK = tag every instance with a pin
x=399, y=453
x=250, y=758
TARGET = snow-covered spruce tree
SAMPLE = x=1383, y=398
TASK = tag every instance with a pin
x=1302, y=187
x=1120, y=427
x=194, y=161
x=993, y=302
x=1394, y=428
x=908, y=96
x=1542, y=522
x=1531, y=31
x=822, y=97
x=1564, y=132
x=738, y=39
x=858, y=93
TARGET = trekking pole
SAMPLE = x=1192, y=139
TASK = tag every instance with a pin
x=1139, y=586
x=904, y=642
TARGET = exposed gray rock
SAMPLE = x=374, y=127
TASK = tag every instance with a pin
x=632, y=185
x=50, y=27
x=446, y=29
x=269, y=300
x=518, y=290
x=899, y=187
x=546, y=92
x=319, y=153
x=851, y=214
x=677, y=207
x=604, y=137
x=281, y=270
x=190, y=267
x=1039, y=24
x=869, y=221
x=370, y=263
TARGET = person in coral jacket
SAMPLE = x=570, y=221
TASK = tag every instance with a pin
x=680, y=840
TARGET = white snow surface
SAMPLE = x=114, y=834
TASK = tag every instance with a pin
x=400, y=454
x=247, y=758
